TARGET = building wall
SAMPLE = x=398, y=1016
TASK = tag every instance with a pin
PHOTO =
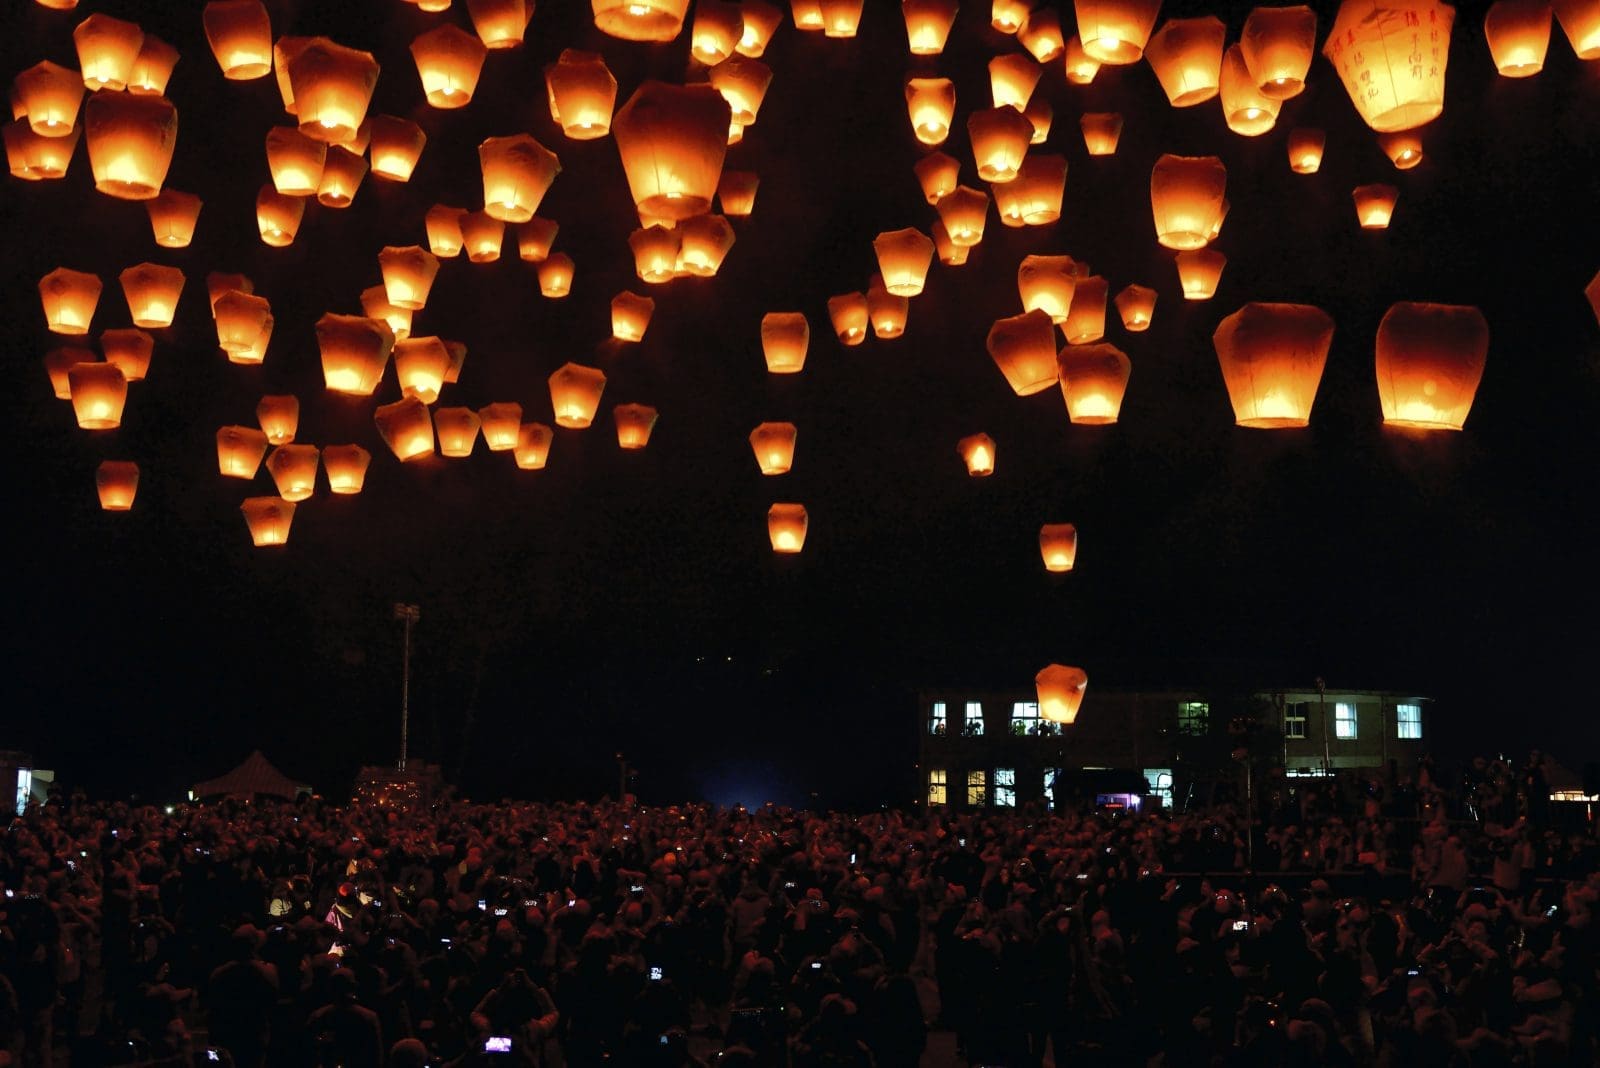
x=1377, y=738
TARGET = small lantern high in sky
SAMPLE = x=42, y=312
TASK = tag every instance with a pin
x=575, y=394
x=517, y=172
x=98, y=391
x=1115, y=31
x=773, y=445
x=786, y=527
x=355, y=351
x=931, y=104
x=1186, y=195
x=1058, y=546
x=240, y=34
x=268, y=519
x=117, y=482
x=928, y=24
x=977, y=452
x=785, y=337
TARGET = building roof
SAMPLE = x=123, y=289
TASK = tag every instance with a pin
x=255, y=775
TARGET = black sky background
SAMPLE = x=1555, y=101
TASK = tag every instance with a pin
x=631, y=602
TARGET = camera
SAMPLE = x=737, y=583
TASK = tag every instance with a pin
x=1413, y=972
x=1083, y=876
x=788, y=886
x=962, y=842
x=482, y=904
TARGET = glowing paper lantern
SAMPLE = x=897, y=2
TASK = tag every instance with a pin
x=634, y=424
x=1000, y=139
x=408, y=275
x=535, y=237
x=153, y=67
x=977, y=451
x=443, y=224
x=1278, y=45
x=1046, y=283
x=582, y=94
x=107, y=49
x=575, y=394
x=630, y=316
x=1186, y=55
x=736, y=193
x=151, y=290
x=420, y=364
x=1081, y=67
x=903, y=260
x=375, y=306
x=718, y=26
x=704, y=242
x=1272, y=357
x=240, y=35
x=963, y=213
x=98, y=392
x=1058, y=544
x=1007, y=16
x=332, y=87
x=172, y=218
x=341, y=177
x=69, y=298
x=34, y=158
x=1216, y=227
x=1403, y=149
x=887, y=311
x=1041, y=35
x=1086, y=318
x=117, y=482
x=1592, y=291
x=1101, y=131
x=1305, y=150
x=1040, y=115
x=457, y=430
x=1375, y=205
x=130, y=140
x=296, y=161
x=533, y=446
x=743, y=84
x=130, y=349
x=840, y=18
x=1137, y=306
x=1093, y=381
x=1012, y=79
x=672, y=140
x=278, y=216
x=517, y=172
x=928, y=24
x=500, y=424
x=500, y=23
x=449, y=61
x=458, y=358
x=555, y=275
x=1024, y=348
x=931, y=104
x=1249, y=111
x=269, y=519
x=49, y=96
x=1430, y=360
x=346, y=466
x=283, y=52
x=938, y=174
x=655, y=253
x=355, y=351
x=1186, y=195
x=773, y=444
x=848, y=313
x=256, y=351
x=1034, y=197
x=294, y=470
x=1060, y=692
x=640, y=20
x=395, y=147
x=761, y=21
x=279, y=417
x=219, y=284
x=785, y=337
x=57, y=362
x=482, y=236
x=1115, y=31
x=1199, y=272
x=406, y=428
x=1580, y=19
x=1391, y=56
x=786, y=527
x=240, y=450
x=949, y=253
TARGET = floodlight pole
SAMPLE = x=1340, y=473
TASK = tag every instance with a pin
x=410, y=614
x=1322, y=706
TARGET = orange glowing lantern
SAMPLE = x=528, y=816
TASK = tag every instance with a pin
x=1580, y=19
x=1012, y=79
x=482, y=236
x=240, y=450
x=840, y=18
x=153, y=68
x=1094, y=379
x=931, y=104
x=449, y=61
x=49, y=96
x=630, y=316
x=655, y=253
x=332, y=88
x=1272, y=357
x=1248, y=110
x=1040, y=114
x=1305, y=150
x=1081, y=67
x=283, y=53
x=903, y=259
x=1024, y=348
x=535, y=237
x=1278, y=45
x=1086, y=316
x=408, y=275
x=1115, y=31
x=705, y=242
x=887, y=311
x=395, y=147
x=406, y=428
x=346, y=466
x=1058, y=544
x=533, y=446
x=241, y=319
x=1393, y=88
x=130, y=349
x=949, y=253
x=582, y=94
x=341, y=177
x=256, y=353
x=355, y=350
x=938, y=174
x=575, y=394
x=151, y=290
x=1060, y=691
x=296, y=161
x=1041, y=35
x=69, y=298
x=1375, y=205
x=457, y=429
x=420, y=366
x=718, y=26
x=294, y=470
x=743, y=84
x=760, y=21
x=376, y=307
x=269, y=519
x=736, y=193
x=1000, y=139
x=785, y=336
x=443, y=224
x=107, y=49
x=640, y=20
x=130, y=140
x=963, y=213
x=1199, y=272
x=1404, y=149
x=555, y=275
x=34, y=158
x=278, y=216
x=977, y=451
x=1592, y=291
x=786, y=527
x=57, y=362
x=1186, y=55
x=1007, y=16
x=1046, y=283
x=773, y=444
x=117, y=482
x=279, y=417
x=501, y=423
x=928, y=24
x=848, y=313
x=500, y=23
x=1034, y=198
x=240, y=34
x=517, y=172
x=1101, y=131
x=172, y=218
x=1429, y=363
x=98, y=392
x=220, y=283
x=672, y=140
x=634, y=424
x=1186, y=195
x=1137, y=306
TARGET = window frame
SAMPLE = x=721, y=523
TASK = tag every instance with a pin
x=938, y=780
x=977, y=788
x=939, y=719
x=972, y=719
x=1402, y=721
x=1191, y=725
x=1295, y=718
x=1340, y=720
x=1005, y=787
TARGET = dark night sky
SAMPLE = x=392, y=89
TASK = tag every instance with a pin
x=631, y=601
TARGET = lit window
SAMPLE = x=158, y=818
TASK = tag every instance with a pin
x=974, y=720
x=936, y=793
x=1192, y=717
x=1160, y=780
x=938, y=724
x=1025, y=718
x=1050, y=783
x=1005, y=787
x=977, y=788
x=1344, y=723
x=1409, y=719
x=1294, y=720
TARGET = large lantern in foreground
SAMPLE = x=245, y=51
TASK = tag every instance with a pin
x=1430, y=360
x=849, y=314
x=517, y=172
x=1060, y=691
x=673, y=140
x=640, y=20
x=1186, y=55
x=152, y=292
x=1186, y=195
x=931, y=104
x=785, y=337
x=449, y=61
x=1115, y=31
x=634, y=424
x=1086, y=317
x=1272, y=357
x=116, y=481
x=130, y=138
x=1277, y=45
x=332, y=88
x=1094, y=379
x=69, y=298
x=977, y=452
x=240, y=35
x=1375, y=205
x=1391, y=56
x=268, y=518
x=1000, y=138
x=533, y=446
x=107, y=49
x=99, y=391
x=582, y=94
x=172, y=218
x=294, y=470
x=1580, y=19
x=903, y=260
x=575, y=394
x=1046, y=283
x=355, y=351
x=395, y=146
x=1058, y=545
x=1199, y=272
x=240, y=450
x=130, y=349
x=408, y=275
x=773, y=444
x=406, y=427
x=49, y=96
x=346, y=467
x=1248, y=110
x=786, y=527
x=1024, y=348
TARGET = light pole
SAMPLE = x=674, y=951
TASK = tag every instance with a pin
x=409, y=613
x=623, y=771
x=1322, y=710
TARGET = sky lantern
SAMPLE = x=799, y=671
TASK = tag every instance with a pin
x=1186, y=55
x=278, y=216
x=634, y=424
x=332, y=88
x=406, y=427
x=773, y=444
x=1081, y=67
x=34, y=158
x=1007, y=16
x=130, y=138
x=1305, y=149
x=151, y=290
x=977, y=452
x=458, y=359
x=449, y=61
x=107, y=49
x=938, y=175
x=482, y=235
x=517, y=172
x=841, y=18
x=673, y=140
x=1580, y=20
x=1392, y=87
x=1199, y=272
x=117, y=482
x=1592, y=291
x=341, y=177
x=240, y=318
x=1186, y=195
x=279, y=417
x=785, y=336
x=807, y=15
x=501, y=423
x=375, y=307
x=500, y=23
x=630, y=316
x=736, y=193
x=931, y=104
x=903, y=259
x=887, y=311
x=1101, y=131
x=240, y=34
x=221, y=283
x=355, y=350
x=1046, y=283
x=1248, y=111
x=172, y=218
x=1000, y=138
x=346, y=466
x=457, y=430
x=640, y=20
x=1430, y=360
x=575, y=394
x=1375, y=205
x=1277, y=45
x=256, y=351
x=1040, y=115
x=420, y=364
x=57, y=362
x=1115, y=31
x=535, y=237
x=69, y=298
x=49, y=95
x=294, y=470
x=655, y=253
x=1034, y=197
x=1094, y=379
x=1024, y=348
x=928, y=24
x=743, y=84
x=760, y=21
x=950, y=254
x=1041, y=35
x=153, y=67
x=582, y=94
x=1060, y=692
x=1272, y=357
x=1137, y=306
x=98, y=392
x=533, y=446
x=963, y=212
x=408, y=275
x=395, y=146
x=704, y=244
x=283, y=52
x=849, y=315
x=130, y=349
x=786, y=527
x=443, y=225
x=240, y=450
x=555, y=275
x=296, y=161
x=1012, y=78
x=1058, y=545
x=1086, y=318
x=718, y=26
x=1404, y=149
x=268, y=519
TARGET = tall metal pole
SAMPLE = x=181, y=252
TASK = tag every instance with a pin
x=1322, y=705
x=409, y=613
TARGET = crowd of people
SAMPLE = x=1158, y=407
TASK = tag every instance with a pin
x=586, y=934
